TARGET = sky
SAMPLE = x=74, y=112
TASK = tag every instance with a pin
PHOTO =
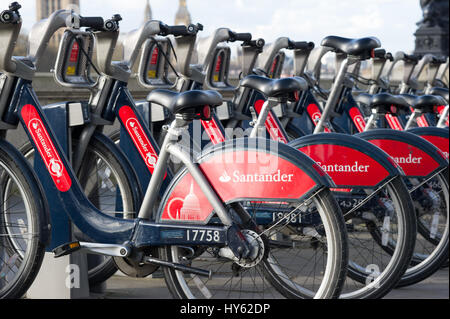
x=392, y=21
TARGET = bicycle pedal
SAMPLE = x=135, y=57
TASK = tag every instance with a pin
x=66, y=249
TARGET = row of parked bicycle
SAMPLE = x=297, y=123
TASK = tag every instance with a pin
x=284, y=189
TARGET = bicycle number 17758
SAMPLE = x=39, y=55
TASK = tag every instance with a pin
x=203, y=235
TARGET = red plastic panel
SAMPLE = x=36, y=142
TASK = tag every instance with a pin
x=394, y=123
x=239, y=174
x=271, y=124
x=357, y=119
x=315, y=114
x=440, y=142
x=346, y=166
x=46, y=148
x=214, y=133
x=411, y=159
x=140, y=139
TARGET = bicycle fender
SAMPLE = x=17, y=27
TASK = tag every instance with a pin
x=435, y=135
x=416, y=156
x=242, y=169
x=348, y=160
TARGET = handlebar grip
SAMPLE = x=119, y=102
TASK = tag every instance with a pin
x=180, y=30
x=244, y=37
x=438, y=60
x=411, y=58
x=96, y=23
x=301, y=45
x=9, y=16
x=177, y=30
x=258, y=43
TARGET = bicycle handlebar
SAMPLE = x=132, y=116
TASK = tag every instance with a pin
x=438, y=59
x=407, y=57
x=243, y=37
x=389, y=56
x=99, y=24
x=11, y=15
x=95, y=23
x=180, y=30
x=379, y=54
x=300, y=45
x=258, y=43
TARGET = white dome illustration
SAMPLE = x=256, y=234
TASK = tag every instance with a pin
x=191, y=206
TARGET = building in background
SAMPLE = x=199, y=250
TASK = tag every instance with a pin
x=183, y=16
x=147, y=12
x=44, y=8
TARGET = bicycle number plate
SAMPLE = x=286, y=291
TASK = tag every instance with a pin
x=205, y=236
x=193, y=236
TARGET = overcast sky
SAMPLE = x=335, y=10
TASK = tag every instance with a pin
x=392, y=21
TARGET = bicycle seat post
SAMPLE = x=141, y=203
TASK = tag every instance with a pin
x=334, y=94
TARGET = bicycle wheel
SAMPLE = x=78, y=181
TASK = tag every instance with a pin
x=432, y=246
x=381, y=234
x=24, y=230
x=111, y=188
x=301, y=255
x=381, y=241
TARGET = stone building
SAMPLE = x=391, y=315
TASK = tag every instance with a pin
x=182, y=16
x=148, y=12
x=44, y=8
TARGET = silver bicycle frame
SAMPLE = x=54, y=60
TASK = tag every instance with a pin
x=443, y=118
x=171, y=147
x=334, y=94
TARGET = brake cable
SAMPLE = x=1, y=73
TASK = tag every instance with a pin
x=85, y=53
x=164, y=54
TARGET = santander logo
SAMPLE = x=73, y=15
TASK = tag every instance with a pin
x=225, y=178
x=46, y=148
x=214, y=133
x=394, y=123
x=358, y=119
x=139, y=137
x=52, y=161
x=408, y=160
x=345, y=168
x=238, y=177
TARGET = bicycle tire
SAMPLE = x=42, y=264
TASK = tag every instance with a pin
x=283, y=285
x=20, y=172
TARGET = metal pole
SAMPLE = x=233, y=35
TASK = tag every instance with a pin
x=334, y=96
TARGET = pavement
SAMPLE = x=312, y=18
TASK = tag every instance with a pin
x=120, y=287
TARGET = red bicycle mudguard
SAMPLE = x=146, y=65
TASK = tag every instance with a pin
x=242, y=170
x=348, y=160
x=437, y=136
x=416, y=156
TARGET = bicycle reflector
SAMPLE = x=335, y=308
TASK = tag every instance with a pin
x=393, y=109
x=74, y=59
x=153, y=71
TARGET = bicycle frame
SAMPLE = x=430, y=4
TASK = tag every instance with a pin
x=98, y=226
